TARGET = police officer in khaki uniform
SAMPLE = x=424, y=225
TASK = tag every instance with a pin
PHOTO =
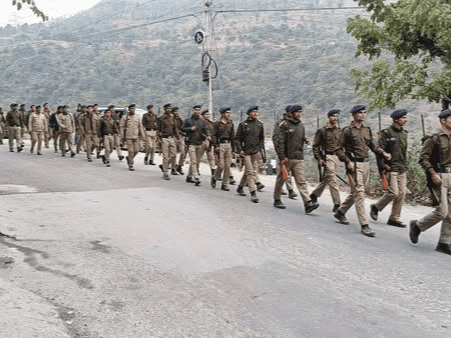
x=15, y=124
x=394, y=141
x=131, y=130
x=250, y=142
x=80, y=133
x=37, y=127
x=90, y=128
x=324, y=145
x=108, y=128
x=117, y=138
x=352, y=148
x=223, y=141
x=177, y=167
x=48, y=134
x=150, y=125
x=207, y=146
x=289, y=146
x=53, y=124
x=2, y=125
x=435, y=158
x=168, y=132
x=196, y=130
x=66, y=130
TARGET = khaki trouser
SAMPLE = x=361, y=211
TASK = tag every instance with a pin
x=396, y=192
x=108, y=142
x=14, y=133
x=288, y=182
x=133, y=150
x=117, y=145
x=296, y=169
x=81, y=141
x=66, y=138
x=56, y=135
x=225, y=160
x=180, y=148
x=195, y=154
x=442, y=212
x=250, y=177
x=330, y=178
x=90, y=144
x=2, y=130
x=357, y=195
x=210, y=154
x=151, y=140
x=36, y=136
x=47, y=137
x=169, y=149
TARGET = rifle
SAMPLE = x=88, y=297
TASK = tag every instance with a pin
x=383, y=177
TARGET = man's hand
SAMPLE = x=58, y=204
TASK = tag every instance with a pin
x=436, y=179
x=208, y=137
x=242, y=153
x=193, y=128
x=387, y=156
x=308, y=141
x=351, y=166
x=321, y=163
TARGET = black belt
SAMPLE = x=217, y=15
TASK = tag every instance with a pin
x=330, y=153
x=445, y=170
x=366, y=159
x=225, y=141
x=168, y=137
x=148, y=129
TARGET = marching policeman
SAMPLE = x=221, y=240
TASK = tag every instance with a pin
x=179, y=143
x=168, y=131
x=393, y=141
x=435, y=158
x=196, y=130
x=250, y=142
x=108, y=130
x=66, y=130
x=131, y=131
x=37, y=127
x=150, y=125
x=352, y=148
x=324, y=145
x=289, y=146
x=15, y=124
x=222, y=139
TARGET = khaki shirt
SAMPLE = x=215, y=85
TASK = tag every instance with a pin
x=131, y=127
x=150, y=121
x=167, y=126
x=66, y=123
x=436, y=152
x=354, y=143
x=37, y=122
x=326, y=139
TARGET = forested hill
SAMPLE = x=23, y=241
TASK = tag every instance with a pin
x=117, y=52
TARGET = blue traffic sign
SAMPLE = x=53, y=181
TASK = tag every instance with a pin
x=199, y=37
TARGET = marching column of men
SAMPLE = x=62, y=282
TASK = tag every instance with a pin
x=197, y=135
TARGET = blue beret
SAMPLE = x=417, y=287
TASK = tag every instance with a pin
x=224, y=110
x=167, y=105
x=445, y=113
x=295, y=109
x=175, y=108
x=252, y=109
x=333, y=112
x=288, y=109
x=357, y=108
x=149, y=106
x=398, y=114
x=197, y=106
x=132, y=106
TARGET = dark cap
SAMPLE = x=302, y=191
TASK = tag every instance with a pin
x=31, y=106
x=251, y=109
x=397, y=114
x=224, y=110
x=333, y=112
x=13, y=105
x=22, y=105
x=111, y=106
x=295, y=108
x=196, y=106
x=288, y=108
x=445, y=113
x=174, y=108
x=66, y=106
x=131, y=106
x=149, y=106
x=205, y=112
x=167, y=105
x=357, y=108
x=38, y=106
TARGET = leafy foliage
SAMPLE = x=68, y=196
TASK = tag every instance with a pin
x=417, y=34
x=30, y=4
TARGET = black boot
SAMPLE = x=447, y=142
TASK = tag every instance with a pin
x=146, y=160
x=443, y=248
x=254, y=197
x=373, y=212
x=292, y=194
x=314, y=198
x=240, y=191
x=259, y=186
x=310, y=206
x=279, y=204
x=366, y=230
x=213, y=182
x=232, y=180
x=225, y=187
x=173, y=172
x=213, y=171
x=180, y=170
x=341, y=218
x=336, y=207
x=414, y=232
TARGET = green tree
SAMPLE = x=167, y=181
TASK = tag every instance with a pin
x=417, y=34
x=30, y=4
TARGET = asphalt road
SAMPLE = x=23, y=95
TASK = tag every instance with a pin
x=127, y=254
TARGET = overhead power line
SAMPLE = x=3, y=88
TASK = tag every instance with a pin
x=288, y=10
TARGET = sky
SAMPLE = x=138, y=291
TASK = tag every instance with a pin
x=52, y=8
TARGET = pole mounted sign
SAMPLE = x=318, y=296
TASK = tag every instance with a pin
x=199, y=37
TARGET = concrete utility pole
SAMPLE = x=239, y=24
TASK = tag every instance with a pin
x=209, y=22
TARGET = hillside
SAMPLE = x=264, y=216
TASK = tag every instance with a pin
x=117, y=53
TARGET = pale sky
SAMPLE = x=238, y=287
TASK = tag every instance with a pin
x=52, y=8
